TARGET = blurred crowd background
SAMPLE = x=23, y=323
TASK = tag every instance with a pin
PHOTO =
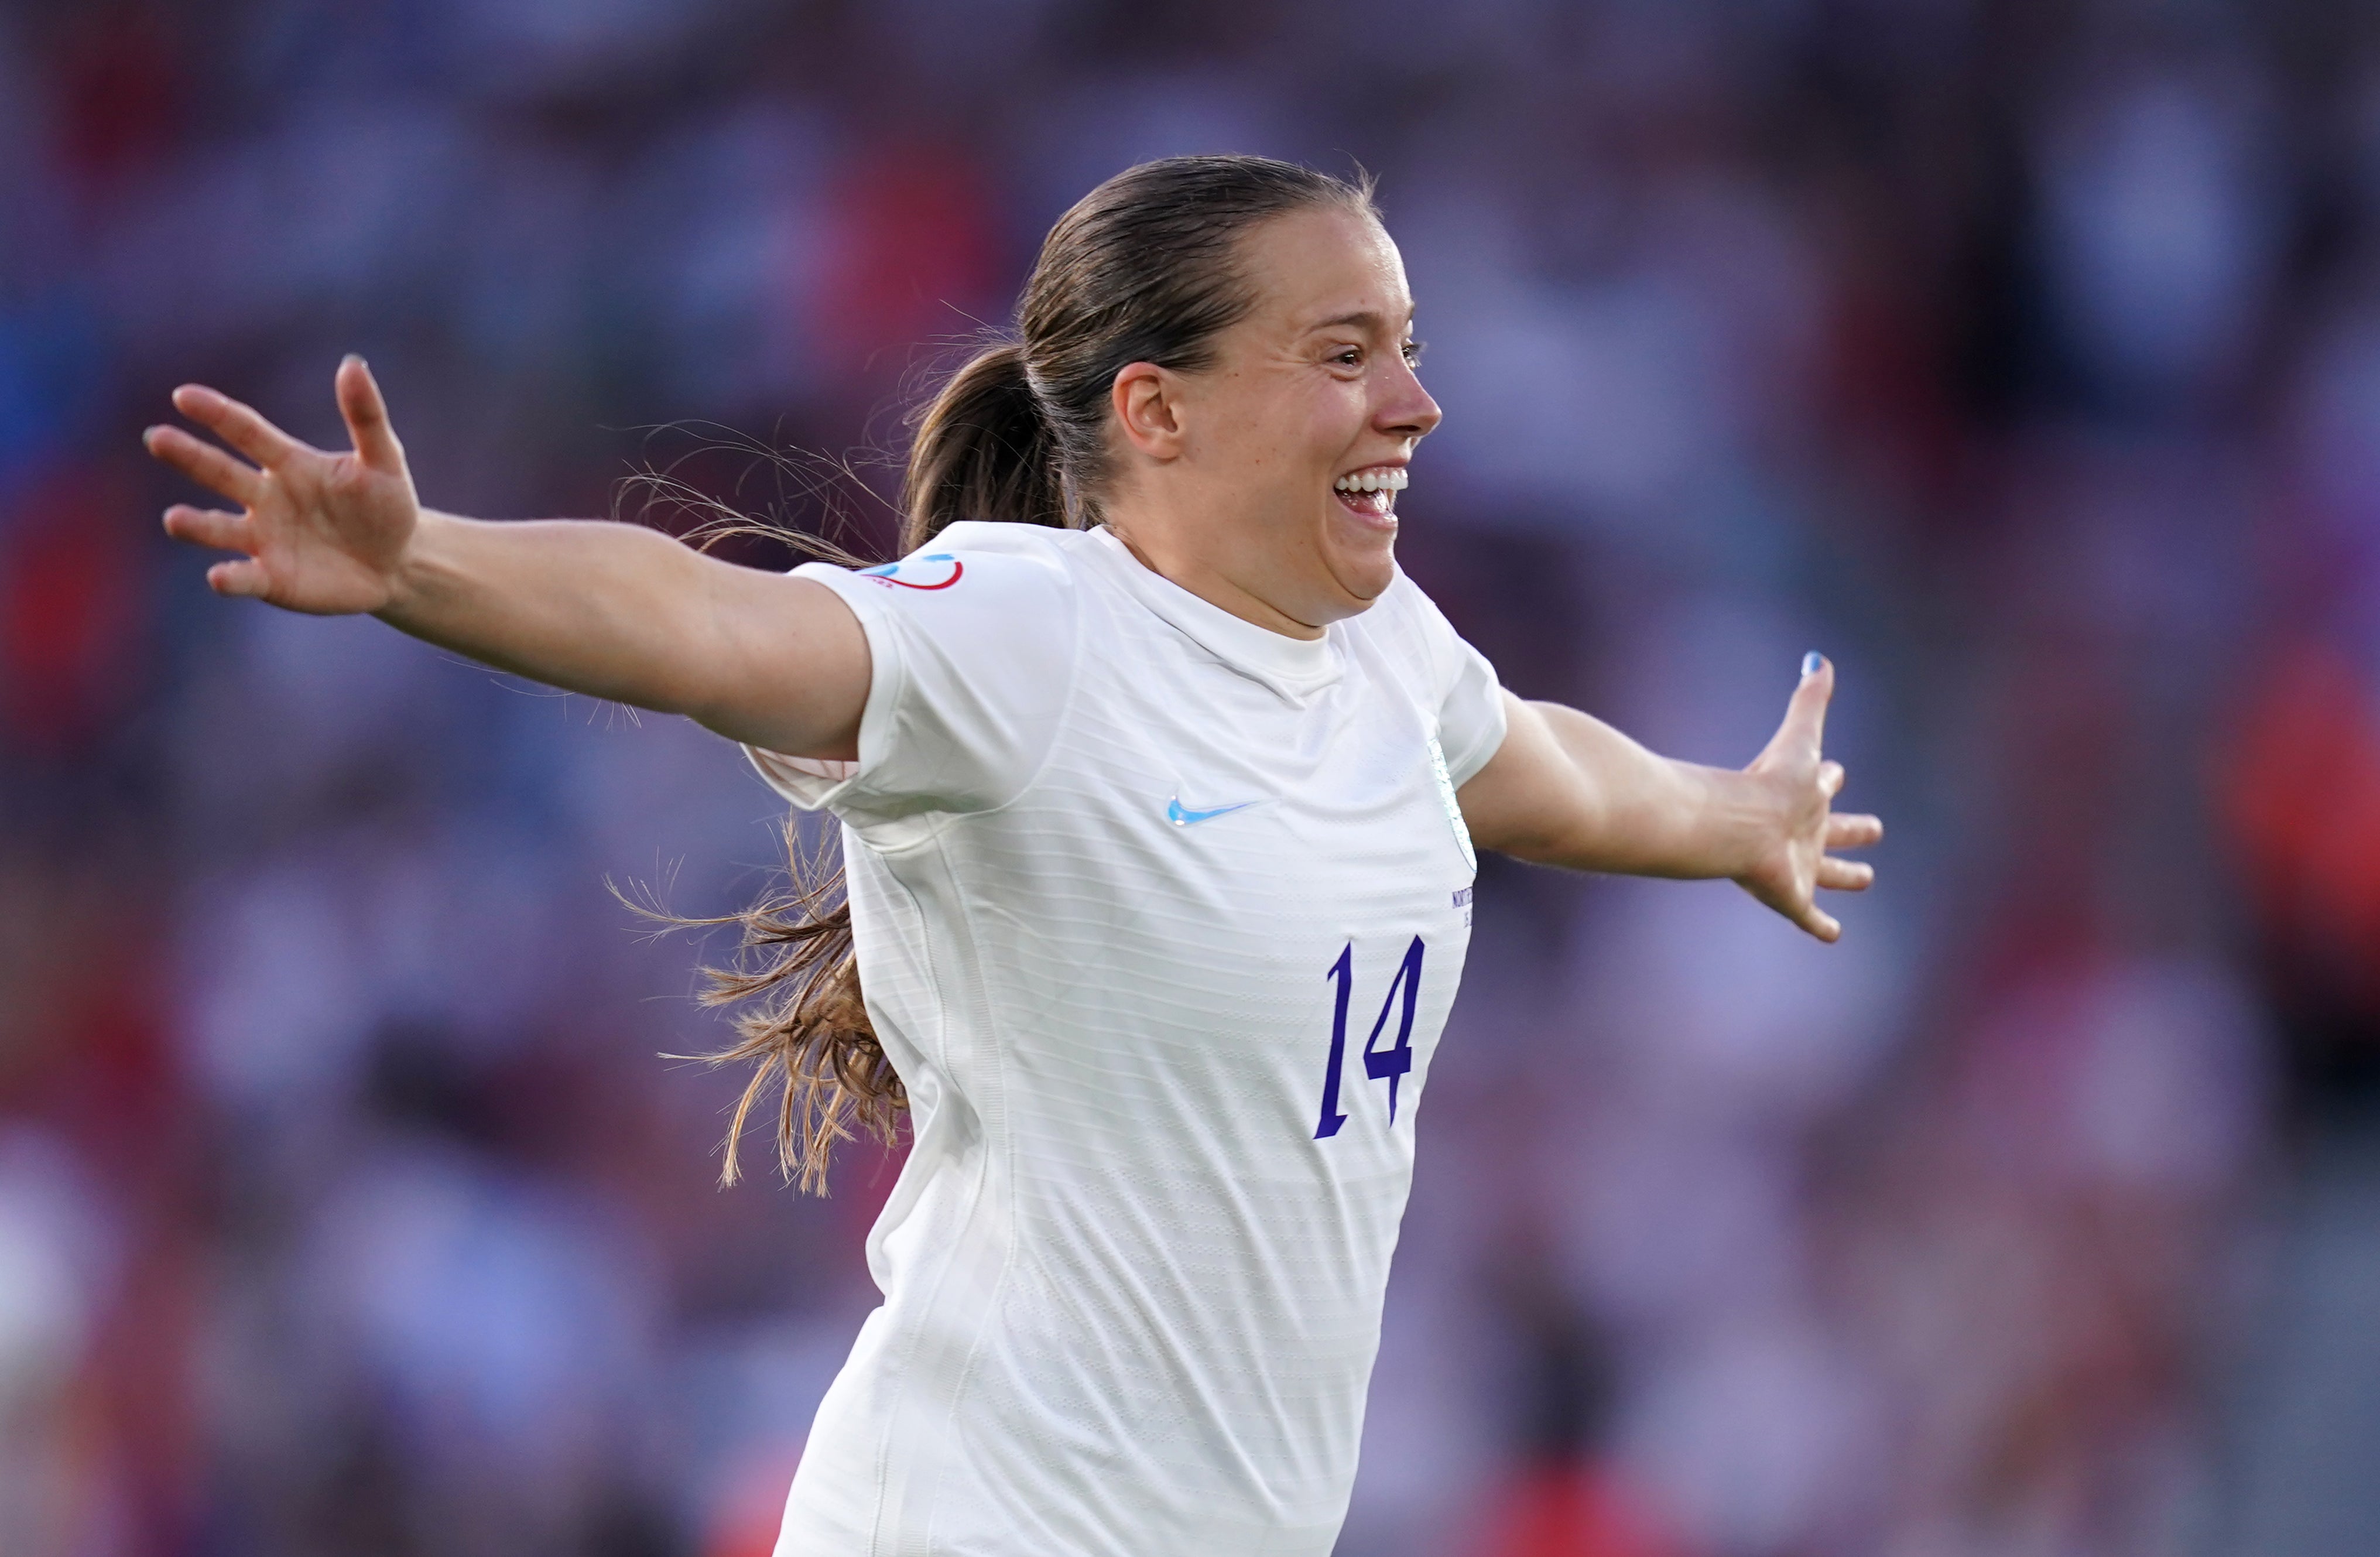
x=2023, y=357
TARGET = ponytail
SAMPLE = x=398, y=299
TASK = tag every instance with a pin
x=983, y=450
x=801, y=1021
x=1142, y=269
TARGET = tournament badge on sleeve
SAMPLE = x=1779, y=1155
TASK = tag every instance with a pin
x=923, y=573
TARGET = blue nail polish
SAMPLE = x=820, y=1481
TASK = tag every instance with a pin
x=1811, y=661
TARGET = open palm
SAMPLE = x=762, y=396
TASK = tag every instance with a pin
x=320, y=532
x=1804, y=784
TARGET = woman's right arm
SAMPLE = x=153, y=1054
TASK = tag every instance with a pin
x=610, y=610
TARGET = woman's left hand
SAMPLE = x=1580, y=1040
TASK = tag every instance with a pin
x=1801, y=786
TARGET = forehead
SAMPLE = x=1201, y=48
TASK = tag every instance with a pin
x=1312, y=267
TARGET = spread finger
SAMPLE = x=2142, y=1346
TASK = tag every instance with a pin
x=1805, y=715
x=245, y=577
x=211, y=526
x=239, y=425
x=205, y=464
x=1818, y=922
x=367, y=417
x=1852, y=830
x=1845, y=875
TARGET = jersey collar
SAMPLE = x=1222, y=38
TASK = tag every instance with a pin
x=1297, y=668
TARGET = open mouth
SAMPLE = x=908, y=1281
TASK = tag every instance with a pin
x=1372, y=490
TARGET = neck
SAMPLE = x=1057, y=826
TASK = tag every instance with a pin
x=1226, y=583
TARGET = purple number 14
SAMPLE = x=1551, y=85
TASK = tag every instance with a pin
x=1378, y=1064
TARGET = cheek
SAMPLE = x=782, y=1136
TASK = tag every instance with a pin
x=1323, y=424
x=1285, y=431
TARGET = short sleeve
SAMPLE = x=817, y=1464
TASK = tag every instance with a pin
x=972, y=655
x=1470, y=714
x=1459, y=683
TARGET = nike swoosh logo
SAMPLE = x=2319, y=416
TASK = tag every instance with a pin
x=1182, y=816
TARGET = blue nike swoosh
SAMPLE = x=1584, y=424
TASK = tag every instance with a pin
x=1180, y=815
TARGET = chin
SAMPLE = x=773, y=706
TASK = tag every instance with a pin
x=1358, y=552
x=1365, y=574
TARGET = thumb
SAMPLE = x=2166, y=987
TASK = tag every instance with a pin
x=366, y=414
x=1806, y=716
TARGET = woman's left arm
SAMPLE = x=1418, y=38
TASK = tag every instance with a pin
x=1568, y=789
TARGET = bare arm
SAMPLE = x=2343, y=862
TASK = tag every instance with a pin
x=610, y=610
x=1568, y=789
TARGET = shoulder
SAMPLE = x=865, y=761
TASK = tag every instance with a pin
x=987, y=537
x=972, y=645
x=973, y=555
x=1016, y=551
x=979, y=608
x=1406, y=622
x=1450, y=677
x=978, y=575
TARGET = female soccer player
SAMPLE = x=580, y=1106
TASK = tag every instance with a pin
x=1159, y=787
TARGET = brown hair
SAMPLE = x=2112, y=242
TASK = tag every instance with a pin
x=1139, y=271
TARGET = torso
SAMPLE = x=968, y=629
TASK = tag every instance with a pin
x=1134, y=1265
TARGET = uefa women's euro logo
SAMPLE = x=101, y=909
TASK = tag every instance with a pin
x=923, y=573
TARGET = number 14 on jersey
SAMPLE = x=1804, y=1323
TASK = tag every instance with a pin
x=1388, y=1064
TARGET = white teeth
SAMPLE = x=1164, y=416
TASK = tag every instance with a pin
x=1385, y=479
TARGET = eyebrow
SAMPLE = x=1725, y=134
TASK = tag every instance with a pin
x=1363, y=317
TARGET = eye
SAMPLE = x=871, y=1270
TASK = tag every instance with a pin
x=1412, y=350
x=1348, y=357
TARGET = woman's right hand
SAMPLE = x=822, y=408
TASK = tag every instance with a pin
x=322, y=533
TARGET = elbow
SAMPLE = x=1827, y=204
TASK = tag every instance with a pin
x=1539, y=844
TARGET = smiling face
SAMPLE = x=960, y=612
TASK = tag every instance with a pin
x=1267, y=481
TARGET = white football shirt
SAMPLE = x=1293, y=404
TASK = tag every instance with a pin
x=1159, y=915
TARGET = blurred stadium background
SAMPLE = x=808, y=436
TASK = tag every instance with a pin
x=2024, y=357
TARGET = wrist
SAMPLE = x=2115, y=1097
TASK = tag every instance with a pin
x=419, y=563
x=1749, y=820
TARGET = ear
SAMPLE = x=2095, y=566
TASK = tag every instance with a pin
x=1147, y=406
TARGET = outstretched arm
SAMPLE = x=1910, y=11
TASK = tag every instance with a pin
x=612, y=610
x=1568, y=789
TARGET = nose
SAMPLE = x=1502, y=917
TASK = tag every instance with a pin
x=1406, y=409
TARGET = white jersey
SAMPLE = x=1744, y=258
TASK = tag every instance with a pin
x=1159, y=915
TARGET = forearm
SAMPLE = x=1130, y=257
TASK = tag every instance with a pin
x=1567, y=789
x=1649, y=815
x=610, y=610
